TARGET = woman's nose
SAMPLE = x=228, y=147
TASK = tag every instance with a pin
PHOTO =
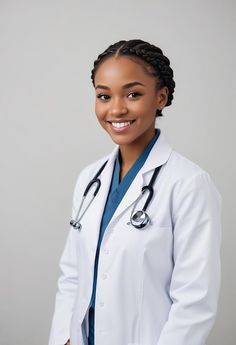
x=118, y=107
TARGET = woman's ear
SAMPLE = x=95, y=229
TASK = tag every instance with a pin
x=162, y=97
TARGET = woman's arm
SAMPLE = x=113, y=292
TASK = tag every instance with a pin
x=65, y=297
x=195, y=282
x=67, y=284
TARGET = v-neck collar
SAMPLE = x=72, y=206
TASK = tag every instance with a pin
x=137, y=165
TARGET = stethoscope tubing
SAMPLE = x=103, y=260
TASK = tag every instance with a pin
x=143, y=219
x=149, y=187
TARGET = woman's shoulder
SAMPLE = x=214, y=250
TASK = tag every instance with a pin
x=185, y=173
x=177, y=165
x=88, y=172
x=93, y=167
x=184, y=167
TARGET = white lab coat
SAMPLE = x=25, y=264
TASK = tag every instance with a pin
x=157, y=286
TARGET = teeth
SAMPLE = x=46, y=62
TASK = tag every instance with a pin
x=121, y=124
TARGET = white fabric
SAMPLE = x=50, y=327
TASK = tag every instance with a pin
x=158, y=286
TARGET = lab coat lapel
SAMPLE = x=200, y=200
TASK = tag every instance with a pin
x=97, y=206
x=157, y=156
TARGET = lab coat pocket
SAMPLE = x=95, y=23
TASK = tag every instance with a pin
x=134, y=239
x=158, y=240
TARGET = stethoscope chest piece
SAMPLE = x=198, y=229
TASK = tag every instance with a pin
x=140, y=219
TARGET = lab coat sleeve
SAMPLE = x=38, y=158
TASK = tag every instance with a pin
x=67, y=285
x=195, y=282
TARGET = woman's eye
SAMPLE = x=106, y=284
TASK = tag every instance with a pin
x=134, y=94
x=103, y=97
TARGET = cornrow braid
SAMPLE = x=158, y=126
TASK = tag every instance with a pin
x=150, y=55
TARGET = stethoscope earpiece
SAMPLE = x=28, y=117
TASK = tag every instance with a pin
x=76, y=224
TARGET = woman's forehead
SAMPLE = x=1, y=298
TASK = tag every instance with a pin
x=122, y=67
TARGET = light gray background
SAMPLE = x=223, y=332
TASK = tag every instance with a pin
x=48, y=131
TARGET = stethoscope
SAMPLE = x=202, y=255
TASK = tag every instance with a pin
x=139, y=219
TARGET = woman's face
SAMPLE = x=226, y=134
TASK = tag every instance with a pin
x=127, y=100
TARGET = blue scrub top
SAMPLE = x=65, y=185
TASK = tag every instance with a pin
x=115, y=195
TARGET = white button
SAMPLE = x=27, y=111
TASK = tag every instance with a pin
x=104, y=276
x=106, y=251
x=101, y=304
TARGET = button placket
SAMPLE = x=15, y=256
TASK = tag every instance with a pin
x=106, y=251
x=104, y=276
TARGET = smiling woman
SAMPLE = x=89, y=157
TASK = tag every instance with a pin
x=141, y=264
x=128, y=103
x=130, y=93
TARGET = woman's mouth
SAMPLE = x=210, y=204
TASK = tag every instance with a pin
x=121, y=126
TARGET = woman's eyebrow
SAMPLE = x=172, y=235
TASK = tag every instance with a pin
x=126, y=86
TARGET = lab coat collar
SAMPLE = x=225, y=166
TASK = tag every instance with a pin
x=159, y=155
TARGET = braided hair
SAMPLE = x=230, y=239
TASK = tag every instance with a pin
x=146, y=53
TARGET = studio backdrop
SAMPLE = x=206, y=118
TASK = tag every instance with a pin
x=49, y=132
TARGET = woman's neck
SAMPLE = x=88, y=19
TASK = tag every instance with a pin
x=129, y=153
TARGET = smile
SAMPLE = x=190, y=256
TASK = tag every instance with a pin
x=119, y=126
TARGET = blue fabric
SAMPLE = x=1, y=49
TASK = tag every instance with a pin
x=115, y=195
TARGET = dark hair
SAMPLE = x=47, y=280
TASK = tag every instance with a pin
x=147, y=53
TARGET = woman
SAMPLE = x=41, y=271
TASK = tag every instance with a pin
x=128, y=279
